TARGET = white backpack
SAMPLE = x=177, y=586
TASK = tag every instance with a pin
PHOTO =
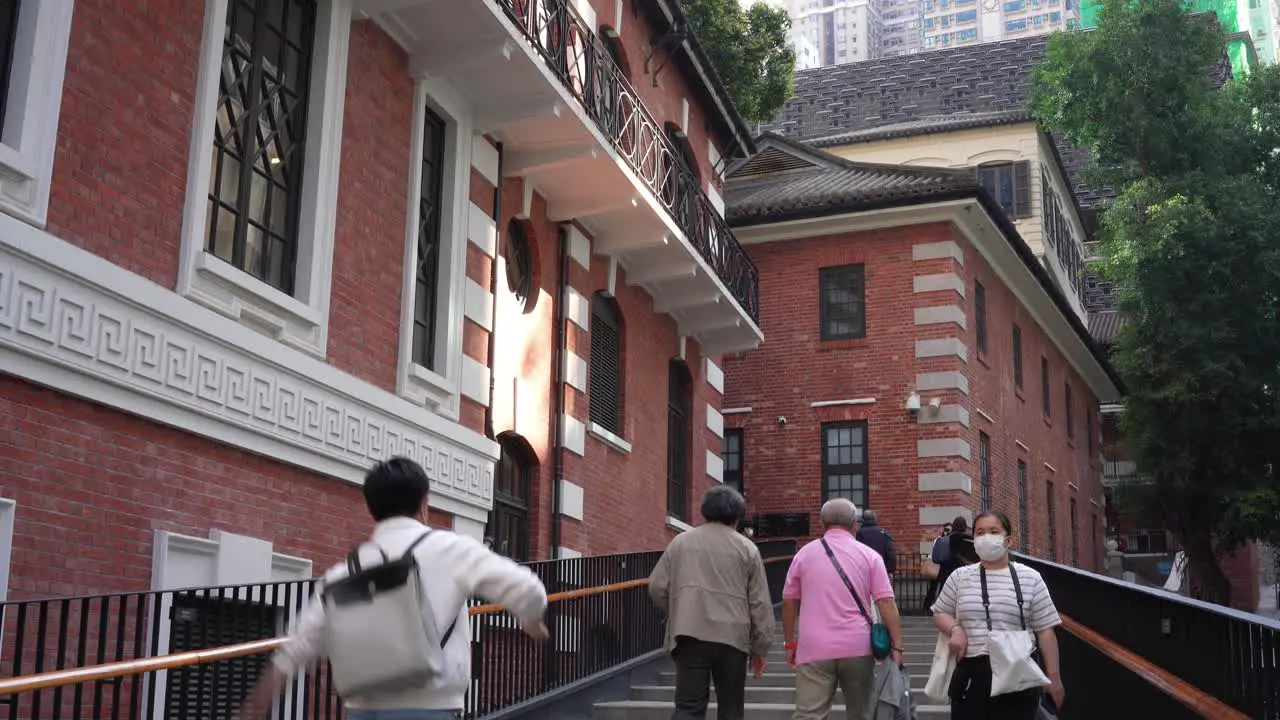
x=380, y=632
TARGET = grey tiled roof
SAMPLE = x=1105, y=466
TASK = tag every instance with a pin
x=811, y=181
x=926, y=124
x=1104, y=326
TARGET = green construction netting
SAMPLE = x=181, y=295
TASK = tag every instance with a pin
x=1225, y=9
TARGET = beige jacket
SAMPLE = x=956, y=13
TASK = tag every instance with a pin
x=711, y=584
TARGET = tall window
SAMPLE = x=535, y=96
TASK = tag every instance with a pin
x=984, y=469
x=844, y=461
x=1093, y=539
x=1010, y=185
x=512, y=486
x=1088, y=428
x=734, y=453
x=1017, y=356
x=842, y=298
x=1044, y=385
x=1052, y=525
x=980, y=314
x=427, y=273
x=260, y=138
x=605, y=390
x=679, y=400
x=8, y=37
x=1024, y=529
x=1075, y=535
x=1066, y=409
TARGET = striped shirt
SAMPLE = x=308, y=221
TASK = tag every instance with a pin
x=961, y=598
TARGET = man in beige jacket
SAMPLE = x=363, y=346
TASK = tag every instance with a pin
x=711, y=584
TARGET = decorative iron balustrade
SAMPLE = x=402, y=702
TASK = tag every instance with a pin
x=587, y=70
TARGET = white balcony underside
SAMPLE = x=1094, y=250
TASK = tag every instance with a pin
x=549, y=139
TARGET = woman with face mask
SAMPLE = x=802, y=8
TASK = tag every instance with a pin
x=962, y=615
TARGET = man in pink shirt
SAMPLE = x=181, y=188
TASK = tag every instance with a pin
x=834, y=646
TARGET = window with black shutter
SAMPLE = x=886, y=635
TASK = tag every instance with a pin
x=430, y=234
x=842, y=302
x=980, y=314
x=215, y=690
x=1044, y=385
x=1024, y=519
x=1088, y=428
x=605, y=374
x=512, y=481
x=679, y=402
x=1075, y=535
x=844, y=461
x=734, y=453
x=1017, y=357
x=1066, y=409
x=984, y=469
x=1010, y=185
x=1052, y=528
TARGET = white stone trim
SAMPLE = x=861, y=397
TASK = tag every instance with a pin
x=1073, y=486
x=484, y=158
x=677, y=524
x=34, y=103
x=944, y=481
x=579, y=246
x=575, y=371
x=943, y=414
x=577, y=308
x=941, y=315
x=481, y=229
x=942, y=447
x=735, y=411
x=715, y=376
x=1022, y=445
x=715, y=466
x=438, y=387
x=715, y=421
x=948, y=249
x=573, y=435
x=944, y=515
x=603, y=434
x=839, y=403
x=75, y=322
x=943, y=381
x=1050, y=468
x=475, y=380
x=8, y=509
x=938, y=283
x=716, y=200
x=572, y=500
x=942, y=347
x=467, y=526
x=300, y=320
x=478, y=305
x=985, y=416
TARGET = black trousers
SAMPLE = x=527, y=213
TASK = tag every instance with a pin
x=971, y=699
x=698, y=665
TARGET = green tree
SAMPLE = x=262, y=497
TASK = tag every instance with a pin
x=749, y=50
x=1192, y=243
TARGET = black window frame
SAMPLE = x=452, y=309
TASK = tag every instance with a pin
x=1075, y=533
x=1018, y=175
x=679, y=438
x=512, y=507
x=9, y=10
x=605, y=376
x=430, y=235
x=735, y=459
x=834, y=278
x=852, y=468
x=1017, y=356
x=1046, y=393
x=980, y=315
x=1024, y=519
x=1092, y=443
x=1052, y=524
x=254, y=91
x=984, y=469
x=1067, y=410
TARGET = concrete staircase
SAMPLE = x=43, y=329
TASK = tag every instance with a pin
x=772, y=697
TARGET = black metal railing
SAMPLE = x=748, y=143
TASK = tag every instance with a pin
x=1231, y=655
x=587, y=70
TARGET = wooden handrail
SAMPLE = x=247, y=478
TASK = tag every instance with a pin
x=1175, y=687
x=173, y=661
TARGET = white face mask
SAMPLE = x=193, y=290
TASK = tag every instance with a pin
x=990, y=547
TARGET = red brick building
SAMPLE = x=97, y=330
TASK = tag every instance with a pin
x=920, y=359
x=247, y=249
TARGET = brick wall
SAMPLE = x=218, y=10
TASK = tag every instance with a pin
x=920, y=335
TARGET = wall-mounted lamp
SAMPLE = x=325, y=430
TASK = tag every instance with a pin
x=913, y=403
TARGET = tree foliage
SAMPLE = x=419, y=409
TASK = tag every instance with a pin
x=1192, y=243
x=748, y=48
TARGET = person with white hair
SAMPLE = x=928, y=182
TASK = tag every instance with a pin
x=829, y=588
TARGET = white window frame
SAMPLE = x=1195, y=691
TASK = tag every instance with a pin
x=30, y=136
x=438, y=389
x=300, y=320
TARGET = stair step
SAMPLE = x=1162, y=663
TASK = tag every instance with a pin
x=755, y=694
x=918, y=672
x=655, y=710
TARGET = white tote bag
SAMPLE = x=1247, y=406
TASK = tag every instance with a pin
x=944, y=666
x=1013, y=666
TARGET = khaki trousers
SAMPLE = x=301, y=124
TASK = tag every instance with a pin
x=816, y=687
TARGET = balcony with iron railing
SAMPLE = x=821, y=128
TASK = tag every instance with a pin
x=579, y=134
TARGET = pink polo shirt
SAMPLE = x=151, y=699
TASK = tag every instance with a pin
x=831, y=627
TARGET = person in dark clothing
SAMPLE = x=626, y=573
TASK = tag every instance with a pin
x=878, y=539
x=957, y=552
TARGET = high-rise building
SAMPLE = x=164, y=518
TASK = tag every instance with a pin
x=949, y=23
x=903, y=27
x=1259, y=19
x=843, y=31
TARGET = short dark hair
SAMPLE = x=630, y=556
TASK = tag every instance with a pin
x=999, y=517
x=723, y=504
x=959, y=524
x=396, y=487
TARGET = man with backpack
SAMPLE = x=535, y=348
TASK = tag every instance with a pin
x=392, y=619
x=878, y=539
